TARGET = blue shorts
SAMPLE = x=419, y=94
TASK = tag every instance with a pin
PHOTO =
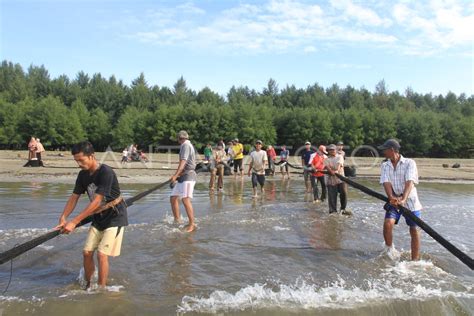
x=394, y=213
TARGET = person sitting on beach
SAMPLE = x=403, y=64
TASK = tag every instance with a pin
x=398, y=176
x=124, y=156
x=143, y=157
x=39, y=151
x=258, y=162
x=32, y=149
x=105, y=235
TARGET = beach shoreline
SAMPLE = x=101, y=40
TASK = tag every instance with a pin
x=61, y=168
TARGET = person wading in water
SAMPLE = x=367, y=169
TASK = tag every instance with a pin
x=398, y=177
x=106, y=232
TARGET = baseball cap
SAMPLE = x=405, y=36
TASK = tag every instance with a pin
x=331, y=147
x=182, y=135
x=258, y=141
x=322, y=149
x=307, y=143
x=390, y=143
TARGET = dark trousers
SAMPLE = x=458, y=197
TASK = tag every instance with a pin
x=323, y=188
x=271, y=165
x=40, y=162
x=333, y=190
x=238, y=165
x=258, y=179
x=314, y=185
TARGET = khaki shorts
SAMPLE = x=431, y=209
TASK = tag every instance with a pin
x=108, y=241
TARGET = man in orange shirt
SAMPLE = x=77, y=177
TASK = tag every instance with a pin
x=317, y=164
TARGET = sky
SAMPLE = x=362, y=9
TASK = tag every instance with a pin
x=425, y=45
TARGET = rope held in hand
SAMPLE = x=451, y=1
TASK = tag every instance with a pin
x=408, y=214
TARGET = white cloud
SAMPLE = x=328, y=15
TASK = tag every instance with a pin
x=361, y=14
x=296, y=25
x=435, y=26
x=348, y=66
x=310, y=49
x=190, y=8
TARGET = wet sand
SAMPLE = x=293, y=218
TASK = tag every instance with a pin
x=61, y=168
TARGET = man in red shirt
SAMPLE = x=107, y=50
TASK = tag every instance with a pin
x=317, y=164
x=271, y=158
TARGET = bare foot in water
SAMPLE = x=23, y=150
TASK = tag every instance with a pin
x=189, y=228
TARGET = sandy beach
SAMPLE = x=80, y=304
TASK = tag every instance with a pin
x=61, y=168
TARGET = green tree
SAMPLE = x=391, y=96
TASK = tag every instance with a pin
x=99, y=129
x=53, y=122
x=10, y=120
x=39, y=81
x=13, y=84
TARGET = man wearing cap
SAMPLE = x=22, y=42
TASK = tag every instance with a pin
x=238, y=151
x=335, y=164
x=183, y=181
x=340, y=149
x=398, y=177
x=258, y=162
x=306, y=162
x=317, y=162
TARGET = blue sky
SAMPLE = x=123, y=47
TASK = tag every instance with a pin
x=425, y=45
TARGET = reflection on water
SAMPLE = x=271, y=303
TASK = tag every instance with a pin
x=178, y=281
x=326, y=232
x=276, y=254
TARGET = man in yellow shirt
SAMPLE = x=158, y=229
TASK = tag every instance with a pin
x=238, y=150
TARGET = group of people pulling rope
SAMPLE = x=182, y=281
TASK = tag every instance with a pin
x=107, y=210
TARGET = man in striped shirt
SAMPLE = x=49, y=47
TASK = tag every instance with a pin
x=398, y=177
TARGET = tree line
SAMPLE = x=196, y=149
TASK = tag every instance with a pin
x=108, y=112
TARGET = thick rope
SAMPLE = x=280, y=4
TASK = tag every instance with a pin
x=22, y=248
x=407, y=213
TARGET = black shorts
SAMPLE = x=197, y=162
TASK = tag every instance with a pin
x=258, y=179
x=238, y=163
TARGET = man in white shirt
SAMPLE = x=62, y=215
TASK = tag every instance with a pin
x=398, y=177
x=258, y=162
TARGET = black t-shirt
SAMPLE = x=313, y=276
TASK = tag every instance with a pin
x=306, y=155
x=104, y=182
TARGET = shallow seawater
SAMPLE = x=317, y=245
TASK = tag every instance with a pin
x=278, y=254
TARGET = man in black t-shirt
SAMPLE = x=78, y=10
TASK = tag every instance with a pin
x=106, y=232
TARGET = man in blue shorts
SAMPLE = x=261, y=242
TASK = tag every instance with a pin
x=398, y=177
